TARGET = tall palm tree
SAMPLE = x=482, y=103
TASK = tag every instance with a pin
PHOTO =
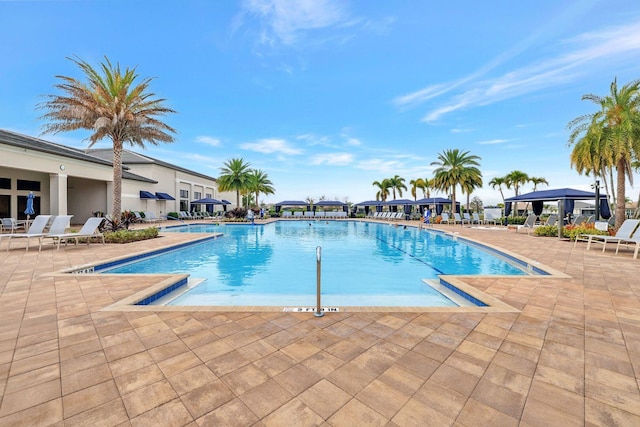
x=498, y=182
x=453, y=168
x=397, y=183
x=617, y=123
x=383, y=189
x=112, y=104
x=258, y=182
x=428, y=185
x=589, y=156
x=415, y=184
x=516, y=179
x=234, y=176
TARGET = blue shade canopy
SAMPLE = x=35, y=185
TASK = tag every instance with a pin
x=555, y=195
x=147, y=195
x=370, y=203
x=330, y=203
x=399, y=202
x=164, y=196
x=207, y=201
x=226, y=202
x=434, y=201
x=292, y=203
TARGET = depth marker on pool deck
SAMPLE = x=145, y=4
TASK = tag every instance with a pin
x=310, y=309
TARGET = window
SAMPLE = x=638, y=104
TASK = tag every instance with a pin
x=5, y=183
x=23, y=184
x=5, y=206
x=184, y=194
x=197, y=195
x=208, y=196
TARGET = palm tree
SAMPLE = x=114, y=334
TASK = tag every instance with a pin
x=383, y=191
x=616, y=126
x=454, y=167
x=259, y=182
x=516, y=179
x=415, y=184
x=589, y=156
x=397, y=183
x=471, y=179
x=428, y=185
x=112, y=104
x=498, y=182
x=537, y=181
x=234, y=176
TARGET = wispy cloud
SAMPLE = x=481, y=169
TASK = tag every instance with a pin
x=313, y=139
x=459, y=130
x=270, y=146
x=208, y=140
x=333, y=159
x=581, y=54
x=285, y=21
x=494, y=141
x=354, y=142
x=381, y=165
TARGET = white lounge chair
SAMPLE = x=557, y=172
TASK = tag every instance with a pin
x=624, y=233
x=35, y=231
x=529, y=223
x=88, y=231
x=475, y=218
x=634, y=240
x=286, y=214
x=444, y=217
x=57, y=227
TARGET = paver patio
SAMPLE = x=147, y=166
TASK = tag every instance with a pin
x=569, y=355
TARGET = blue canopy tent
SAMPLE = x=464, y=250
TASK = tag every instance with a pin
x=331, y=203
x=565, y=197
x=438, y=202
x=209, y=202
x=280, y=205
x=368, y=204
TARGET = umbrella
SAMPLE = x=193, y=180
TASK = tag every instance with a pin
x=29, y=210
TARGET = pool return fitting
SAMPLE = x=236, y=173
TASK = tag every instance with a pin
x=318, y=312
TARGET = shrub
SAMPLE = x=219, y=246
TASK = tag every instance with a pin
x=547, y=231
x=128, y=236
x=173, y=215
x=569, y=231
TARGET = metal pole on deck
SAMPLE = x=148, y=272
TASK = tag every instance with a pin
x=318, y=312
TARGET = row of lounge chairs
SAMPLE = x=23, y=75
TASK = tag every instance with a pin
x=390, y=216
x=311, y=214
x=55, y=226
x=184, y=215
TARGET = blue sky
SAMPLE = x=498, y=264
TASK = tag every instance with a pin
x=328, y=96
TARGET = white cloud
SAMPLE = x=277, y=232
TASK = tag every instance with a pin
x=354, y=142
x=458, y=130
x=381, y=165
x=271, y=145
x=208, y=140
x=494, y=141
x=284, y=21
x=333, y=159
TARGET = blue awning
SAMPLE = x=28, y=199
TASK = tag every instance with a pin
x=164, y=196
x=147, y=195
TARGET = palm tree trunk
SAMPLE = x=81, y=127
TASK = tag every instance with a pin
x=620, y=202
x=116, y=201
x=613, y=189
x=238, y=198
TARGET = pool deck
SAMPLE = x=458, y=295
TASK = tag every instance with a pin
x=567, y=353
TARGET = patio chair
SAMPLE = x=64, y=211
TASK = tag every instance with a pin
x=624, y=233
x=35, y=231
x=475, y=218
x=88, y=231
x=444, y=217
x=529, y=223
x=634, y=240
x=552, y=220
x=12, y=225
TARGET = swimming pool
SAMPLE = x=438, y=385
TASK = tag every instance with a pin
x=363, y=264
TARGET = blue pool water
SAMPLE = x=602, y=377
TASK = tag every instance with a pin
x=363, y=264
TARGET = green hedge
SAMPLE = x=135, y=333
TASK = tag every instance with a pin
x=128, y=236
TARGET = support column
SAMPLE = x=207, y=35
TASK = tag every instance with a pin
x=57, y=194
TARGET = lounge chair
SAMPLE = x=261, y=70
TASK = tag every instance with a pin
x=57, y=227
x=12, y=225
x=88, y=231
x=529, y=223
x=551, y=220
x=624, y=233
x=634, y=240
x=444, y=217
x=286, y=214
x=35, y=231
x=475, y=218
x=297, y=214
x=579, y=219
x=457, y=219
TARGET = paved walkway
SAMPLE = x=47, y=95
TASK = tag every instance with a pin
x=569, y=355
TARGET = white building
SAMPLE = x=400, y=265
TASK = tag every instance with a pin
x=68, y=181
